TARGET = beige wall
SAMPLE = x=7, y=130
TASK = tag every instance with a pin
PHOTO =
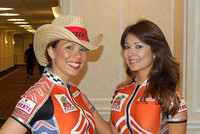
x=6, y=50
x=102, y=68
x=110, y=18
x=105, y=67
x=193, y=66
x=176, y=18
x=102, y=72
x=21, y=44
x=12, y=52
x=178, y=34
x=2, y=46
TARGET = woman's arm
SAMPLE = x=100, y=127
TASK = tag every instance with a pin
x=11, y=126
x=114, y=130
x=101, y=125
x=177, y=128
x=181, y=115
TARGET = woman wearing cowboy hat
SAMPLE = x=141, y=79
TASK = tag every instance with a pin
x=54, y=105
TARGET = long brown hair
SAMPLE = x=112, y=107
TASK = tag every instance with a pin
x=164, y=75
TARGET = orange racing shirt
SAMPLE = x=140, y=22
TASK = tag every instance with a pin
x=130, y=115
x=51, y=106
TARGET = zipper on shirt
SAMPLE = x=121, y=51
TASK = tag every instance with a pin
x=70, y=93
x=128, y=121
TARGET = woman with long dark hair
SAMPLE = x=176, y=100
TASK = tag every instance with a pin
x=151, y=102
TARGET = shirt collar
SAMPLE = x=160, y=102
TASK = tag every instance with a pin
x=144, y=83
x=53, y=77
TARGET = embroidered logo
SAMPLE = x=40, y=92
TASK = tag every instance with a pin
x=79, y=32
x=183, y=106
x=66, y=105
x=75, y=94
x=25, y=105
x=118, y=101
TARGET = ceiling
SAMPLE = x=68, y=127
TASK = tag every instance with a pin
x=36, y=12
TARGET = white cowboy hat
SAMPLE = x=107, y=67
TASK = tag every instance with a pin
x=71, y=28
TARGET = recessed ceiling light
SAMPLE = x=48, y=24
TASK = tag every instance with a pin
x=5, y=9
x=25, y=26
x=15, y=19
x=9, y=14
x=20, y=22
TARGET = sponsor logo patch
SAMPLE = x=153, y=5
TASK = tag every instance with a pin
x=183, y=106
x=26, y=105
x=66, y=105
x=182, y=113
x=21, y=114
x=75, y=94
x=118, y=101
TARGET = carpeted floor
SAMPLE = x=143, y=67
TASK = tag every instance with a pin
x=12, y=85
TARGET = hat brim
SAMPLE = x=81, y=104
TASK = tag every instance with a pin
x=51, y=32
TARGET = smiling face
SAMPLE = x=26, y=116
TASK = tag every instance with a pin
x=68, y=58
x=138, y=55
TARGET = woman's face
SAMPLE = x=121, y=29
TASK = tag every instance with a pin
x=138, y=55
x=68, y=58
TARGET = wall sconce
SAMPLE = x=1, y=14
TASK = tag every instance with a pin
x=56, y=11
x=6, y=42
x=13, y=39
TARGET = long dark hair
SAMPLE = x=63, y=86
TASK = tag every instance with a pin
x=164, y=75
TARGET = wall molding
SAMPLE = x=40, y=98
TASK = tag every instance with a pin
x=195, y=107
x=193, y=125
x=103, y=106
x=172, y=34
x=185, y=48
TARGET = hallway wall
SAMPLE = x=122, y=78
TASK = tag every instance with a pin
x=6, y=50
x=179, y=20
x=105, y=68
x=192, y=61
x=12, y=48
x=21, y=44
